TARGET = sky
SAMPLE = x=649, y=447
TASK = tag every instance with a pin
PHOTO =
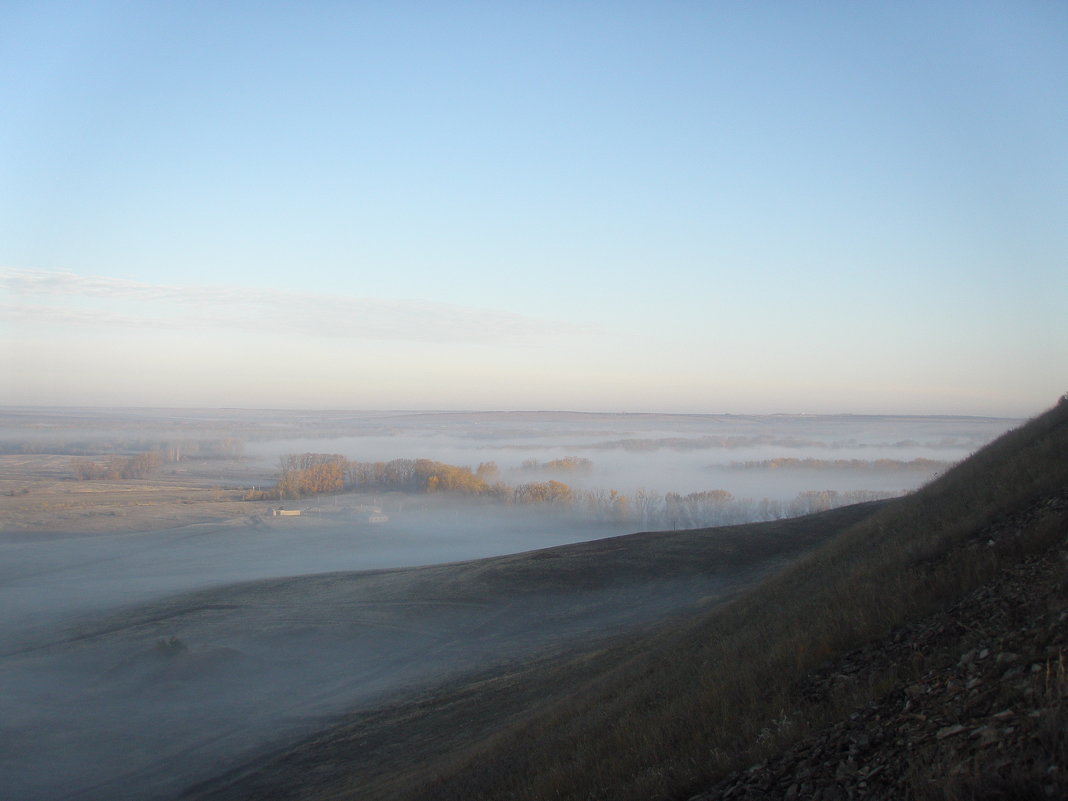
x=612, y=206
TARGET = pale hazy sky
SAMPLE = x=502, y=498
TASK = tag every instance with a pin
x=659, y=206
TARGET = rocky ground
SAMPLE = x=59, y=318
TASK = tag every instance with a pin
x=974, y=702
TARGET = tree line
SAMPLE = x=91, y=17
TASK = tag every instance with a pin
x=887, y=465
x=310, y=474
x=104, y=466
x=568, y=464
x=114, y=467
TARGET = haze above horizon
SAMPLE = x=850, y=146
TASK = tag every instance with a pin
x=684, y=207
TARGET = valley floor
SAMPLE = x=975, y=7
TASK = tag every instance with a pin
x=145, y=699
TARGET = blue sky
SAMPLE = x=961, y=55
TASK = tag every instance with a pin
x=680, y=207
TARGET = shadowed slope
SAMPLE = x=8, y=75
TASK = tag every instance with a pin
x=546, y=607
x=141, y=702
x=712, y=694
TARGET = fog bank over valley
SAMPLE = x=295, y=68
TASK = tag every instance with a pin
x=68, y=528
x=185, y=589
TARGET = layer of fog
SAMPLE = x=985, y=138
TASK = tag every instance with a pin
x=42, y=580
x=663, y=453
x=144, y=700
x=89, y=709
x=45, y=580
x=83, y=614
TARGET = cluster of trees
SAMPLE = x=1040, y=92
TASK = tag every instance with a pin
x=441, y=477
x=137, y=466
x=554, y=493
x=568, y=464
x=316, y=473
x=707, y=442
x=168, y=450
x=420, y=475
x=311, y=474
x=151, y=455
x=719, y=507
x=223, y=448
x=307, y=474
x=788, y=463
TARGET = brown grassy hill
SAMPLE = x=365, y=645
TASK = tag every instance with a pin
x=806, y=683
x=441, y=622
x=966, y=703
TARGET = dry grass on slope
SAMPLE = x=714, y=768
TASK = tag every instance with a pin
x=720, y=692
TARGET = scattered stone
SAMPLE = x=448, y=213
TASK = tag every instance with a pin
x=949, y=731
x=973, y=703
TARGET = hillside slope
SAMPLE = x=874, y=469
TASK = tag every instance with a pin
x=142, y=699
x=919, y=653
x=969, y=702
x=732, y=688
x=502, y=637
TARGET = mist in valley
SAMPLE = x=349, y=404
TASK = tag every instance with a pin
x=137, y=662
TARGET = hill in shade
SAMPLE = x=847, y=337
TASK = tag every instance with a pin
x=917, y=653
